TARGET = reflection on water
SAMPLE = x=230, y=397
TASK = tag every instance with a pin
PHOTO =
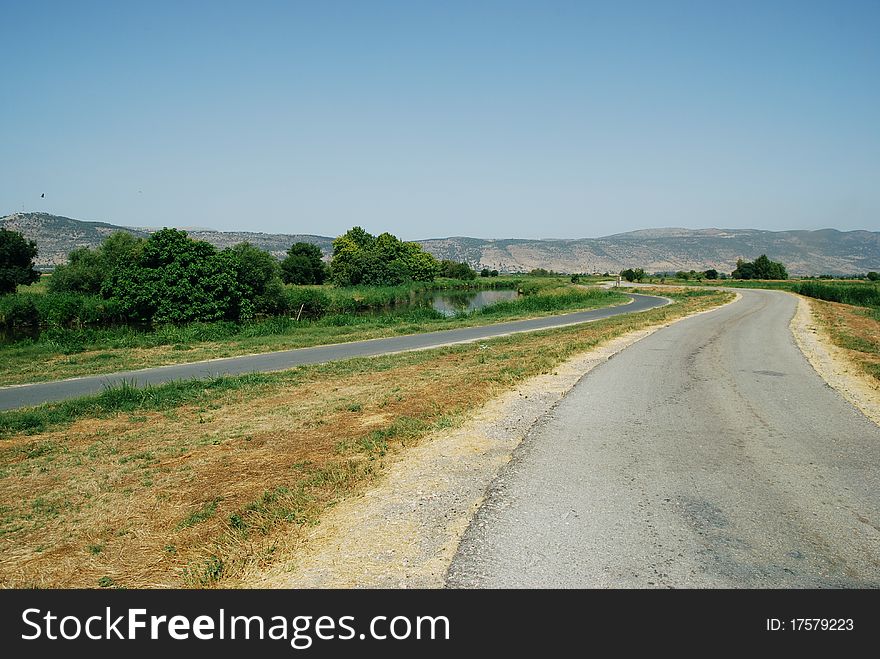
x=450, y=304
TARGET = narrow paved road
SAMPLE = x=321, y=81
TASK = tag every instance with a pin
x=43, y=392
x=709, y=454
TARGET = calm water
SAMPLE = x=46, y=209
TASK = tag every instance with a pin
x=450, y=304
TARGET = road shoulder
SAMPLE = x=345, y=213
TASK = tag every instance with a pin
x=832, y=363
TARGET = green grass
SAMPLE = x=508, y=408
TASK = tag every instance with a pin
x=856, y=294
x=204, y=513
x=123, y=398
x=784, y=285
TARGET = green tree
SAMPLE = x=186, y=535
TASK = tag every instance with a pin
x=258, y=275
x=303, y=265
x=87, y=269
x=420, y=266
x=360, y=258
x=629, y=274
x=84, y=272
x=761, y=268
x=16, y=261
x=711, y=273
x=484, y=272
x=455, y=270
x=254, y=267
x=120, y=247
x=873, y=276
x=494, y=273
x=177, y=279
x=744, y=270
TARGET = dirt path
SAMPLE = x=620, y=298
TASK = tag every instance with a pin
x=404, y=531
x=832, y=364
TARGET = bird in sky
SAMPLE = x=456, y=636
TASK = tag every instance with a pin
x=42, y=196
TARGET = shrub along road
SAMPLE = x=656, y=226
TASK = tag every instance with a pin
x=709, y=454
x=34, y=394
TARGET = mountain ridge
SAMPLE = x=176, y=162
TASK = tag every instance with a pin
x=823, y=251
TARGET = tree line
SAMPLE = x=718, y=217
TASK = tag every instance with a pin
x=170, y=277
x=761, y=268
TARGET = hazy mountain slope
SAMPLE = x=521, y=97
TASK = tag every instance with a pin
x=804, y=252
x=57, y=236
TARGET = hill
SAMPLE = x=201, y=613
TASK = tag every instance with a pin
x=827, y=251
x=57, y=236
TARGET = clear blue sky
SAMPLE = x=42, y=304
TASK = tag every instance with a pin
x=426, y=119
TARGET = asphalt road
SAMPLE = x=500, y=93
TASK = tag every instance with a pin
x=33, y=394
x=709, y=454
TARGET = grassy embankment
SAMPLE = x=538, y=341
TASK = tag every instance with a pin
x=190, y=484
x=70, y=352
x=851, y=314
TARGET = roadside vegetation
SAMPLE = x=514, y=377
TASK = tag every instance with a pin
x=195, y=483
x=330, y=315
x=850, y=312
x=133, y=303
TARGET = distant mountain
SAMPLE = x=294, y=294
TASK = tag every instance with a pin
x=57, y=236
x=656, y=250
x=827, y=251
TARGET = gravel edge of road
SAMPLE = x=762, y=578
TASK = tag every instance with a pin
x=832, y=364
x=403, y=532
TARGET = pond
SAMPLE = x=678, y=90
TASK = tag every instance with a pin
x=451, y=303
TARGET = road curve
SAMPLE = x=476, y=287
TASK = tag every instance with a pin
x=709, y=454
x=15, y=396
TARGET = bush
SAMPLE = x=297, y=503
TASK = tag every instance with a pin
x=273, y=300
x=88, y=269
x=862, y=295
x=360, y=258
x=633, y=275
x=18, y=311
x=16, y=261
x=256, y=271
x=303, y=265
x=454, y=270
x=761, y=268
x=176, y=279
x=313, y=302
